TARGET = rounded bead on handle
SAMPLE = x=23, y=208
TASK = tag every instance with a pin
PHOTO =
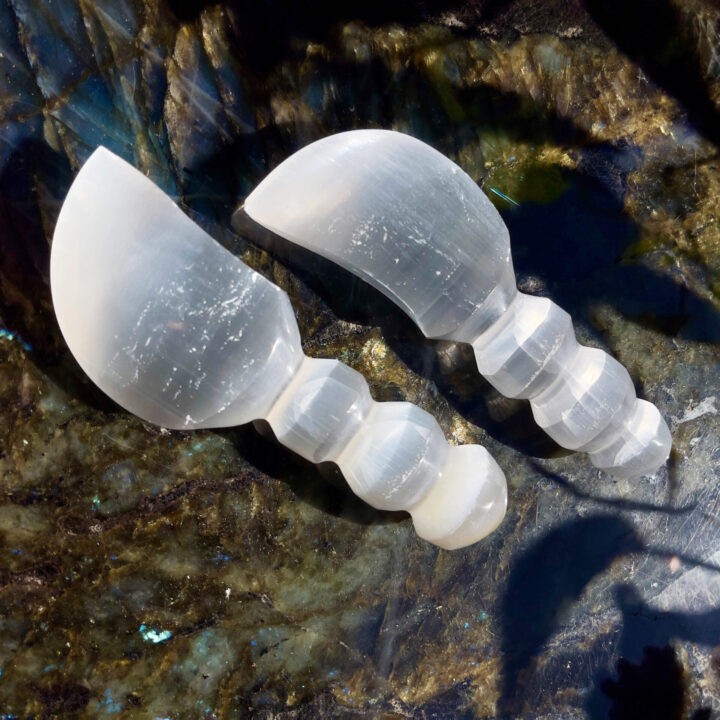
x=642, y=446
x=397, y=458
x=466, y=504
x=524, y=351
x=321, y=409
x=587, y=402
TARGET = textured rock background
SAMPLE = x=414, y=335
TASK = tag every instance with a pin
x=149, y=574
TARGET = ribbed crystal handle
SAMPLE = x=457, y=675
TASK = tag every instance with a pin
x=393, y=454
x=581, y=396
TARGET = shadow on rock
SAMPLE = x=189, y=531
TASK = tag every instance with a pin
x=654, y=34
x=544, y=583
x=31, y=169
x=654, y=688
x=320, y=485
x=649, y=679
x=618, y=503
x=574, y=247
x=270, y=31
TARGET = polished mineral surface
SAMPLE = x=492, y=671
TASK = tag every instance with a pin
x=212, y=574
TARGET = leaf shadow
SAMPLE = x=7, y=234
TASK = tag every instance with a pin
x=616, y=503
x=577, y=245
x=545, y=583
x=649, y=676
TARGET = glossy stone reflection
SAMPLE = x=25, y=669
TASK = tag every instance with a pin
x=282, y=595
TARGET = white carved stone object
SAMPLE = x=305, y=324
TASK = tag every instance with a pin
x=180, y=332
x=410, y=222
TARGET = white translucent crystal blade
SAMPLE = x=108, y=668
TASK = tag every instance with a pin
x=399, y=214
x=182, y=333
x=167, y=322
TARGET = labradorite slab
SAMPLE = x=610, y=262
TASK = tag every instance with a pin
x=147, y=573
